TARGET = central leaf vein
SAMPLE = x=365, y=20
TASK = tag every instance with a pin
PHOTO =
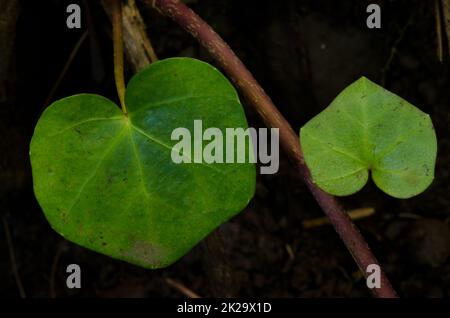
x=160, y=143
x=138, y=159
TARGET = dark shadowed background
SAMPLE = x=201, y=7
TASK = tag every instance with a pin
x=303, y=52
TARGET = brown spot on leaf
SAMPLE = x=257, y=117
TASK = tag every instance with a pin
x=146, y=253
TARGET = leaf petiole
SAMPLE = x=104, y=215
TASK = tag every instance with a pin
x=118, y=52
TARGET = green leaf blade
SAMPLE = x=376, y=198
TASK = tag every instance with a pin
x=381, y=132
x=107, y=182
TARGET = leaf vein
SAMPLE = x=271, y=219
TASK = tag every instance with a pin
x=338, y=150
x=97, y=167
x=173, y=100
x=395, y=144
x=141, y=172
x=84, y=122
x=160, y=143
x=344, y=176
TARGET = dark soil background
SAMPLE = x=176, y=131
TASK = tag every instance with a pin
x=303, y=52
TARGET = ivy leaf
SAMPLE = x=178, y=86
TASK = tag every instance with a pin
x=107, y=181
x=369, y=129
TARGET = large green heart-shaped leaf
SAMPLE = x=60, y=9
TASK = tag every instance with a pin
x=367, y=128
x=107, y=181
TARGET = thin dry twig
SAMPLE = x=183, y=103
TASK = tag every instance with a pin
x=134, y=27
x=437, y=18
x=355, y=214
x=181, y=288
x=138, y=47
x=446, y=17
x=69, y=61
x=394, y=48
x=97, y=63
x=12, y=257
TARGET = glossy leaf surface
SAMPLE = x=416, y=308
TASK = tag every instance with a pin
x=107, y=182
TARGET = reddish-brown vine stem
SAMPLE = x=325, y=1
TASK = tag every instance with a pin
x=253, y=92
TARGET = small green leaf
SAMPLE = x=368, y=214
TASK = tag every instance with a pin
x=367, y=128
x=107, y=182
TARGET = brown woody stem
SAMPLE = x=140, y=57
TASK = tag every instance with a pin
x=253, y=92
